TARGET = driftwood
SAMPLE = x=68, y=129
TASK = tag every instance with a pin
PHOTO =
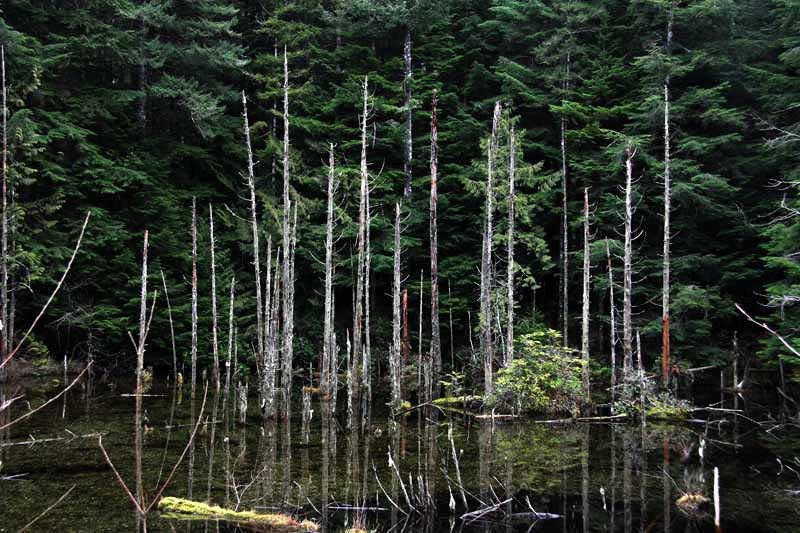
x=180, y=509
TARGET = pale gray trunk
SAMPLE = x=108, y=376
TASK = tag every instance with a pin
x=667, y=205
x=366, y=370
x=139, y=370
x=229, y=362
x=612, y=313
x=487, y=338
x=407, y=73
x=171, y=330
x=194, y=295
x=327, y=348
x=362, y=224
x=395, y=368
x=254, y=228
x=436, y=339
x=288, y=319
x=627, y=329
x=214, y=339
x=512, y=167
x=565, y=218
x=4, y=338
x=585, y=313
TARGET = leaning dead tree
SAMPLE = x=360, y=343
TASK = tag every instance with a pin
x=585, y=313
x=436, y=339
x=288, y=259
x=512, y=168
x=327, y=347
x=627, y=329
x=251, y=185
x=194, y=295
x=214, y=340
x=362, y=224
x=487, y=337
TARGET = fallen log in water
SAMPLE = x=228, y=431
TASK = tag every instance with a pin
x=180, y=509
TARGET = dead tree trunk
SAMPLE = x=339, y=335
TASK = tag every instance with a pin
x=288, y=319
x=406, y=348
x=487, y=338
x=512, y=167
x=407, y=73
x=366, y=370
x=271, y=344
x=214, y=340
x=395, y=367
x=436, y=339
x=328, y=325
x=627, y=329
x=256, y=262
x=229, y=362
x=4, y=339
x=362, y=224
x=665, y=349
x=585, y=314
x=612, y=313
x=194, y=295
x=139, y=378
x=171, y=330
x=565, y=219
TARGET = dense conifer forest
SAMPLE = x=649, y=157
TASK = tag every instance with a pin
x=133, y=110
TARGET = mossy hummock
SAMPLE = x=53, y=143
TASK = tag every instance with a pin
x=181, y=509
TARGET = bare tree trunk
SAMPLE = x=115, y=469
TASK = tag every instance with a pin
x=406, y=348
x=395, y=367
x=271, y=346
x=420, y=358
x=328, y=325
x=512, y=167
x=627, y=329
x=366, y=370
x=487, y=338
x=288, y=304
x=254, y=227
x=194, y=295
x=362, y=224
x=667, y=204
x=288, y=325
x=407, y=73
x=229, y=362
x=452, y=342
x=613, y=326
x=4, y=339
x=585, y=314
x=565, y=219
x=171, y=330
x=214, y=340
x=436, y=339
x=139, y=381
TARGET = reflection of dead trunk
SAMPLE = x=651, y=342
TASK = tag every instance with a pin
x=667, y=487
x=585, y=479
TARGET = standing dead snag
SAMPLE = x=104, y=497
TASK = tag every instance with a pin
x=585, y=314
x=362, y=223
x=512, y=167
x=366, y=371
x=251, y=185
x=395, y=367
x=229, y=362
x=436, y=339
x=407, y=73
x=627, y=329
x=139, y=381
x=171, y=330
x=4, y=338
x=214, y=340
x=665, y=297
x=327, y=348
x=288, y=303
x=612, y=312
x=194, y=295
x=487, y=338
x=565, y=218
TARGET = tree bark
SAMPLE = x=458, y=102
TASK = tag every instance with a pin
x=436, y=339
x=288, y=304
x=407, y=73
x=613, y=325
x=565, y=219
x=328, y=324
x=362, y=223
x=139, y=378
x=585, y=313
x=665, y=348
x=229, y=362
x=4, y=339
x=214, y=339
x=487, y=338
x=194, y=295
x=512, y=167
x=627, y=329
x=395, y=367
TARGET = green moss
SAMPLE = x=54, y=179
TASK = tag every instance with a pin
x=181, y=509
x=448, y=401
x=665, y=411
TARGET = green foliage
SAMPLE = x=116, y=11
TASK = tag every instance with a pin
x=544, y=376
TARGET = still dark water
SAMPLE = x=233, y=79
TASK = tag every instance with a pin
x=594, y=476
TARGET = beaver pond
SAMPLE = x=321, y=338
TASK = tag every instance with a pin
x=399, y=474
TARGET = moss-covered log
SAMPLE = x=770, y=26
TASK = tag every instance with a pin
x=180, y=509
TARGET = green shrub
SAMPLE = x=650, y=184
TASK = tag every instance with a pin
x=544, y=376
